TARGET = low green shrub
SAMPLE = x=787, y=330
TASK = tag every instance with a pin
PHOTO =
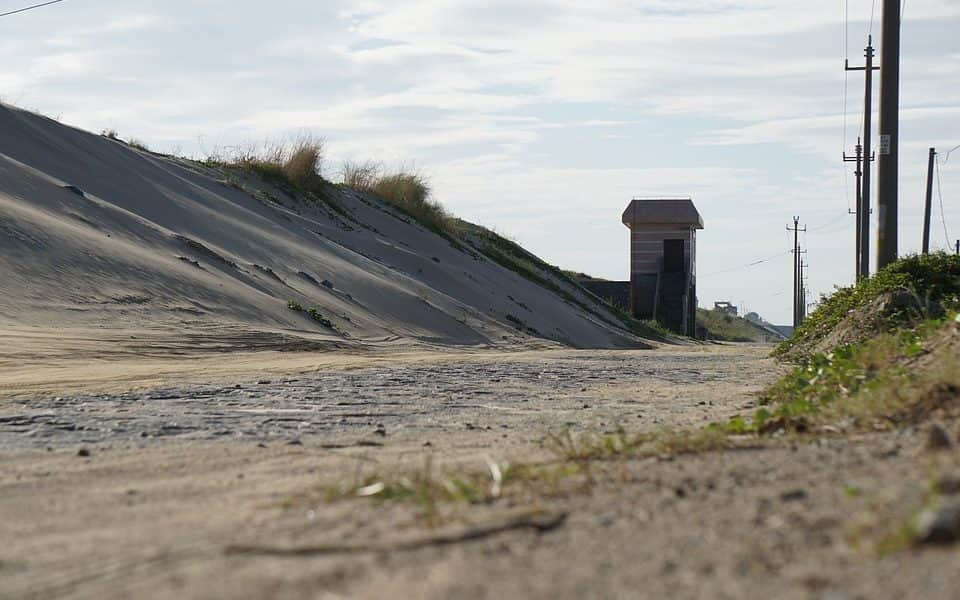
x=933, y=277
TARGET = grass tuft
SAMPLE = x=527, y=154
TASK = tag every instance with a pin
x=405, y=190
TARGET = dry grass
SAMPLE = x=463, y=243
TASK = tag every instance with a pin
x=297, y=162
x=361, y=176
x=579, y=462
x=591, y=447
x=407, y=190
x=431, y=489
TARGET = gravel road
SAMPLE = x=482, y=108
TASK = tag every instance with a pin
x=143, y=495
x=535, y=392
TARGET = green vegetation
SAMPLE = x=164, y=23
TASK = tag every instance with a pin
x=312, y=313
x=576, y=460
x=514, y=257
x=898, y=375
x=864, y=385
x=728, y=328
x=429, y=488
x=933, y=278
x=520, y=325
x=319, y=318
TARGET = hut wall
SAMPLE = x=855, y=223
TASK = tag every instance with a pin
x=646, y=247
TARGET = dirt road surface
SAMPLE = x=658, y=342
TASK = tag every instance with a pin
x=218, y=489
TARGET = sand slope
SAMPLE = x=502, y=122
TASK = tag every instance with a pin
x=97, y=235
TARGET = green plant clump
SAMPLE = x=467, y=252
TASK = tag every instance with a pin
x=319, y=318
x=870, y=383
x=933, y=277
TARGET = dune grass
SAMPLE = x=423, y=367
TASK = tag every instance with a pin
x=298, y=162
x=404, y=189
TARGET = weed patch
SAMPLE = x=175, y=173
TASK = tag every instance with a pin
x=933, y=278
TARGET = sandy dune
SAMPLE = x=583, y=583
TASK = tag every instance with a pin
x=95, y=234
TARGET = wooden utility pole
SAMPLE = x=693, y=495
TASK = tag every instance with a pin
x=803, y=291
x=796, y=269
x=864, y=207
x=858, y=173
x=887, y=166
x=928, y=202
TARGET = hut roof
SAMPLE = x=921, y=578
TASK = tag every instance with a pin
x=673, y=211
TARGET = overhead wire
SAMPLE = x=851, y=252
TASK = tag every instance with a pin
x=25, y=9
x=749, y=265
x=943, y=218
x=946, y=157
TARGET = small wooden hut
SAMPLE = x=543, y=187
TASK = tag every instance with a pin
x=663, y=260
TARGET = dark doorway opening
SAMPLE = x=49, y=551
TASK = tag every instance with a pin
x=673, y=251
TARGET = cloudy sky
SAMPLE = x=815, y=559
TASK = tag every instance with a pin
x=540, y=119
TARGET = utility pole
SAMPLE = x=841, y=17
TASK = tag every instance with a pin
x=858, y=158
x=796, y=269
x=887, y=166
x=929, y=201
x=864, y=208
x=802, y=299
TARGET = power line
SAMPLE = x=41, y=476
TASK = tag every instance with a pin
x=873, y=8
x=749, y=265
x=829, y=223
x=20, y=10
x=943, y=217
x=946, y=157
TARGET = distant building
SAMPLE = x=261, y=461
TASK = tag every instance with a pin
x=663, y=261
x=726, y=308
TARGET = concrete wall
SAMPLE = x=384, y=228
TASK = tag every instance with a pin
x=614, y=292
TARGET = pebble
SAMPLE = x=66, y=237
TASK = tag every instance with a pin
x=939, y=525
x=938, y=438
x=794, y=495
x=83, y=452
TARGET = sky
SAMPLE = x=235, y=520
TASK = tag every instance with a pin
x=539, y=119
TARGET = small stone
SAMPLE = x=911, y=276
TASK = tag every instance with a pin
x=264, y=382
x=294, y=443
x=381, y=431
x=938, y=438
x=939, y=525
x=427, y=444
x=949, y=485
x=83, y=452
x=261, y=445
x=794, y=495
